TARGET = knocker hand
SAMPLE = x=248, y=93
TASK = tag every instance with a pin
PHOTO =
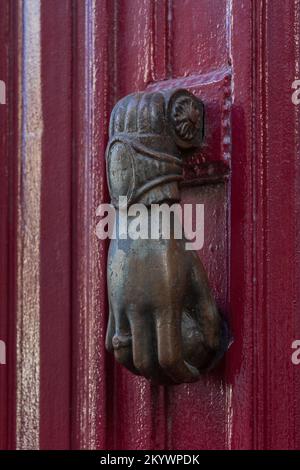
x=163, y=321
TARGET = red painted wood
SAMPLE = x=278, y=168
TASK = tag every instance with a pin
x=93, y=82
x=56, y=207
x=134, y=64
x=237, y=406
x=229, y=53
x=4, y=205
x=9, y=73
x=245, y=355
x=199, y=36
x=264, y=260
x=198, y=414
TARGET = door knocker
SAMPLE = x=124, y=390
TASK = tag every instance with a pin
x=163, y=321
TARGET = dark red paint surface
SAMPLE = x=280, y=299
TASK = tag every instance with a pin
x=4, y=197
x=56, y=239
x=241, y=58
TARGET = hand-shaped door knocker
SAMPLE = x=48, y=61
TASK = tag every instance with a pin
x=163, y=321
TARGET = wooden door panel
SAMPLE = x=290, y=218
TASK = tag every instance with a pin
x=75, y=59
x=55, y=226
x=198, y=415
x=199, y=37
x=133, y=24
x=178, y=417
x=6, y=408
x=235, y=406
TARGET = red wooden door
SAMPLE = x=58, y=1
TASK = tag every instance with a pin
x=65, y=64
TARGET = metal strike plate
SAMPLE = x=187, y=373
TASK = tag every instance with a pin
x=163, y=320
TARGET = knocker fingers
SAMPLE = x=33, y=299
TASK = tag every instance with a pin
x=110, y=332
x=170, y=348
x=142, y=344
x=119, y=339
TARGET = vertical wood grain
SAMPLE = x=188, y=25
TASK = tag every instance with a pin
x=55, y=225
x=276, y=170
x=8, y=368
x=264, y=253
x=38, y=405
x=30, y=121
x=66, y=64
x=92, y=48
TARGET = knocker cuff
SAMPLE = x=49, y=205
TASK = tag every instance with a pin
x=133, y=170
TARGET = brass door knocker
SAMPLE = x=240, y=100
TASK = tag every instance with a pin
x=163, y=320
